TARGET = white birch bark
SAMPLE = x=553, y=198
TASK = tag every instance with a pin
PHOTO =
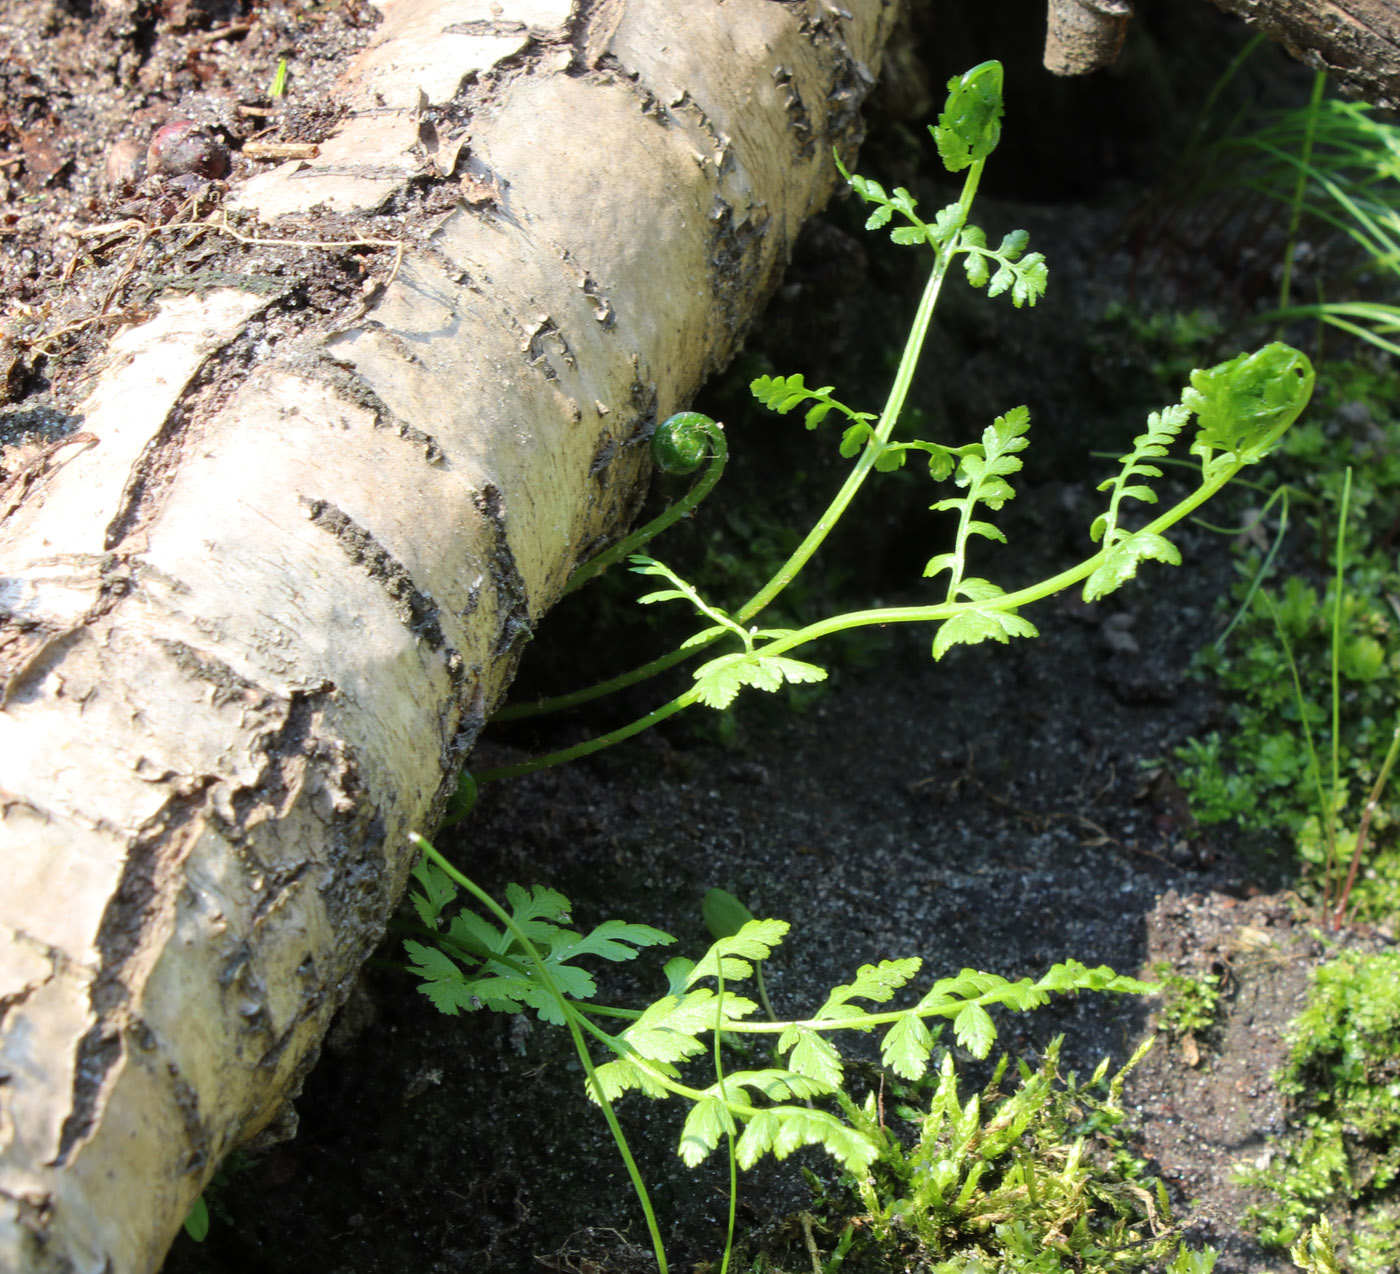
x=247, y=634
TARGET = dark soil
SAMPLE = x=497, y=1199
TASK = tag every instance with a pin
x=1004, y=809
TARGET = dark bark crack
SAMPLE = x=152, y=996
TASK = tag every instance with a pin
x=414, y=608
x=29, y=650
x=349, y=384
x=219, y=376
x=734, y=256
x=852, y=80
x=541, y=339
x=288, y=749
x=151, y=877
x=225, y=684
x=513, y=626
x=799, y=118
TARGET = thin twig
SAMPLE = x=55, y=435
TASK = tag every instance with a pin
x=220, y=226
x=223, y=227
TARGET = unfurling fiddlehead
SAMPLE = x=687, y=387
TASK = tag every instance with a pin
x=678, y=447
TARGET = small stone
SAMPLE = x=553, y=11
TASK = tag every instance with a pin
x=184, y=147
x=125, y=164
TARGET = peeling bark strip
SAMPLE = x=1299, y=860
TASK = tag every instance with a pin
x=249, y=629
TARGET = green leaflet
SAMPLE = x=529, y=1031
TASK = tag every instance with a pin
x=1124, y=549
x=1244, y=405
x=724, y=914
x=476, y=964
x=711, y=1117
x=974, y=1030
x=876, y=982
x=437, y=892
x=978, y=625
x=683, y=592
x=886, y=205
x=1070, y=975
x=616, y=1078
x=1162, y=430
x=970, y=126
x=779, y=1130
x=720, y=680
x=197, y=1220
x=982, y=470
x=1121, y=563
x=1025, y=277
x=783, y=393
x=669, y=1029
x=731, y=955
x=810, y=1053
x=906, y=1047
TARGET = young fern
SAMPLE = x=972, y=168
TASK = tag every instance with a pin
x=679, y=445
x=974, y=1163
x=475, y=964
x=1241, y=408
x=719, y=681
x=982, y=470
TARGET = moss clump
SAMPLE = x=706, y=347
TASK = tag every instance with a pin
x=1033, y=1181
x=1342, y=1156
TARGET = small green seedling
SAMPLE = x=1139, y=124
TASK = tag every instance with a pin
x=1190, y=1002
x=197, y=1220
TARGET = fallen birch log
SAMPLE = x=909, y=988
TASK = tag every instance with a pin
x=253, y=614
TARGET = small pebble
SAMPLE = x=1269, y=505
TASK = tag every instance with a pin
x=183, y=147
x=125, y=164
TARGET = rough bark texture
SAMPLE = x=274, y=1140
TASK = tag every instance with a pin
x=1357, y=42
x=252, y=616
x=1084, y=35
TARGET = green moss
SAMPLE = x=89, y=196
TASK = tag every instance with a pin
x=1190, y=1002
x=1341, y=1157
x=1035, y=1180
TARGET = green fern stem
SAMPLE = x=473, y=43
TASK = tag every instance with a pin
x=1005, y=602
x=719, y=457
x=576, y=1026
x=718, y=1053
x=875, y=447
x=591, y=745
x=889, y=417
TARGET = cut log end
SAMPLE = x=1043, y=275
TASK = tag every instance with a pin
x=1084, y=35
